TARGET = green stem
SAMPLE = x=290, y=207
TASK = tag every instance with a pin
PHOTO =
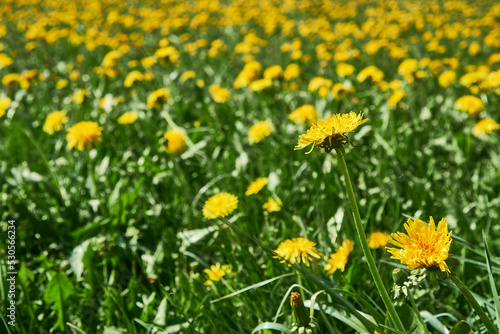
x=412, y=301
x=473, y=302
x=364, y=244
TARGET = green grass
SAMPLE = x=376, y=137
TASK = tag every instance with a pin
x=113, y=239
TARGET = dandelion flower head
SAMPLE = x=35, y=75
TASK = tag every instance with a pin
x=83, y=135
x=485, y=126
x=306, y=113
x=300, y=250
x=219, y=94
x=259, y=131
x=424, y=246
x=220, y=205
x=54, y=121
x=329, y=133
x=128, y=118
x=378, y=239
x=256, y=186
x=158, y=97
x=469, y=103
x=339, y=259
x=176, y=140
x=272, y=205
x=5, y=103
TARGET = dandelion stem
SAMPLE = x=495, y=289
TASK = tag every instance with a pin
x=473, y=302
x=412, y=301
x=364, y=244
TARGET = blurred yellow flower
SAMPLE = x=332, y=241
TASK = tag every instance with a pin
x=133, y=77
x=329, y=133
x=216, y=272
x=79, y=96
x=187, y=75
x=256, y=186
x=305, y=113
x=5, y=103
x=258, y=85
x=128, y=118
x=176, y=140
x=370, y=72
x=469, y=103
x=273, y=72
x=61, y=83
x=220, y=205
x=272, y=205
x=5, y=60
x=447, y=78
x=259, y=131
x=219, y=94
x=158, y=97
x=292, y=71
x=54, y=121
x=424, y=246
x=340, y=90
x=83, y=135
x=485, y=126
x=378, y=239
x=300, y=250
x=339, y=259
x=396, y=97
x=344, y=69
x=10, y=78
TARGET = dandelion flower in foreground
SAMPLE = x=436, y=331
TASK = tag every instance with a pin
x=220, y=205
x=83, y=135
x=339, y=259
x=300, y=250
x=54, y=121
x=128, y=118
x=216, y=272
x=259, y=131
x=256, y=186
x=485, y=126
x=378, y=239
x=329, y=133
x=424, y=246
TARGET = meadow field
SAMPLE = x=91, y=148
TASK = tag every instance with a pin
x=249, y=166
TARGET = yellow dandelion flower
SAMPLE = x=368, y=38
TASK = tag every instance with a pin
x=424, y=246
x=256, y=186
x=220, y=205
x=79, y=96
x=339, y=259
x=292, y=71
x=187, y=75
x=5, y=103
x=128, y=118
x=469, y=103
x=61, y=83
x=219, y=94
x=259, y=85
x=300, y=250
x=396, y=97
x=10, y=78
x=273, y=72
x=340, y=90
x=447, y=78
x=378, y=239
x=54, y=121
x=259, y=131
x=272, y=205
x=306, y=113
x=83, y=135
x=344, y=69
x=216, y=272
x=329, y=133
x=176, y=140
x=485, y=126
x=133, y=77
x=370, y=72
x=158, y=97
